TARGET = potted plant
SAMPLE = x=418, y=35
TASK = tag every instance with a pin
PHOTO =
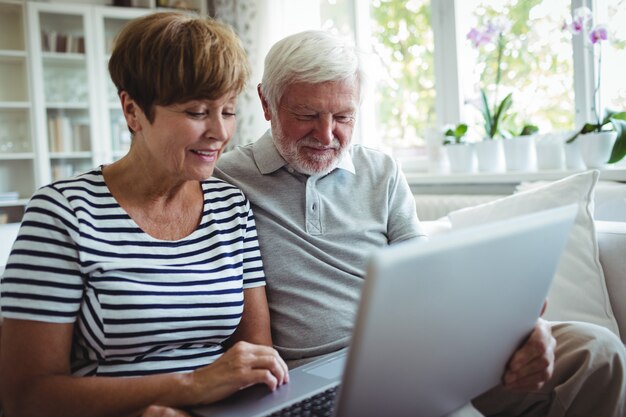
x=519, y=150
x=461, y=154
x=489, y=151
x=604, y=140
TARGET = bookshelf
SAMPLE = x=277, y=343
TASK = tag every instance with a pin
x=59, y=112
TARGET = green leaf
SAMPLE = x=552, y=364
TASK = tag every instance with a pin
x=461, y=130
x=573, y=138
x=611, y=114
x=500, y=112
x=486, y=114
x=587, y=128
x=456, y=135
x=619, y=148
x=619, y=116
x=529, y=130
x=449, y=140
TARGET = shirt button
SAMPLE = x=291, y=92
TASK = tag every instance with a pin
x=313, y=207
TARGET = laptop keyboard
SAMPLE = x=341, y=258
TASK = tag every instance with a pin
x=321, y=404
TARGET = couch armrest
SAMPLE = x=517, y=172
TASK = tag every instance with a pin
x=612, y=242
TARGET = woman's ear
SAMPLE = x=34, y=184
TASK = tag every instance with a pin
x=132, y=111
x=264, y=103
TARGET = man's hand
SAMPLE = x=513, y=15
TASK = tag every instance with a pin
x=161, y=411
x=532, y=365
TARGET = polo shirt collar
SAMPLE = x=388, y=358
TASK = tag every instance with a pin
x=268, y=159
x=346, y=162
x=266, y=155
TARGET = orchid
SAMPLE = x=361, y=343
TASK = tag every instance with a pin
x=493, y=33
x=582, y=22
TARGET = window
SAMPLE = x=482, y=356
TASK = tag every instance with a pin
x=431, y=75
x=537, y=65
x=401, y=39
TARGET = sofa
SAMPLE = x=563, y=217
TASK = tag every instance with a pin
x=592, y=288
x=590, y=284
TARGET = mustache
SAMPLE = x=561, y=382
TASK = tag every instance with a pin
x=312, y=142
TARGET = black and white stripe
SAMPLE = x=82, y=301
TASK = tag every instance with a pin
x=141, y=305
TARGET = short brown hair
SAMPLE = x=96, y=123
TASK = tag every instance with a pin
x=166, y=58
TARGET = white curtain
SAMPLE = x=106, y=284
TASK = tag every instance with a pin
x=259, y=24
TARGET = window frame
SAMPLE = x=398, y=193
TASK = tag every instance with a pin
x=584, y=72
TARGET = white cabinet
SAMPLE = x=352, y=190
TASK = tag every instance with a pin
x=59, y=110
x=76, y=106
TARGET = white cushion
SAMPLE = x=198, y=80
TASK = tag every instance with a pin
x=609, y=199
x=579, y=290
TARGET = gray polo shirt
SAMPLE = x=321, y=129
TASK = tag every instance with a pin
x=315, y=234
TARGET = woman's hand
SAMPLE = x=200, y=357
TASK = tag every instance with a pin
x=243, y=365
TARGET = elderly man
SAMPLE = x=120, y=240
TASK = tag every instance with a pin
x=323, y=204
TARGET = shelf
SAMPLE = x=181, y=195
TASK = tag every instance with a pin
x=70, y=155
x=12, y=55
x=63, y=57
x=14, y=105
x=67, y=106
x=16, y=155
x=14, y=203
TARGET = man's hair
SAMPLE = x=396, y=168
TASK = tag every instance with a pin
x=167, y=58
x=312, y=56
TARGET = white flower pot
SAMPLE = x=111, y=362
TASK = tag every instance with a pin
x=462, y=157
x=596, y=148
x=520, y=153
x=573, y=157
x=490, y=155
x=550, y=154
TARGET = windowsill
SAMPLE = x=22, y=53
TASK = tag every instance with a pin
x=426, y=178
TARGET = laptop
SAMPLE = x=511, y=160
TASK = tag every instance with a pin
x=436, y=325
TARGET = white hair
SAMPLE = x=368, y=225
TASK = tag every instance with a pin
x=312, y=56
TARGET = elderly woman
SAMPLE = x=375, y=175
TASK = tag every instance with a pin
x=141, y=282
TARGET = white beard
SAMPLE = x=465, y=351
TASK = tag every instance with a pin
x=307, y=164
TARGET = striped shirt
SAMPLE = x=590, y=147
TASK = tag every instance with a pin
x=140, y=305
